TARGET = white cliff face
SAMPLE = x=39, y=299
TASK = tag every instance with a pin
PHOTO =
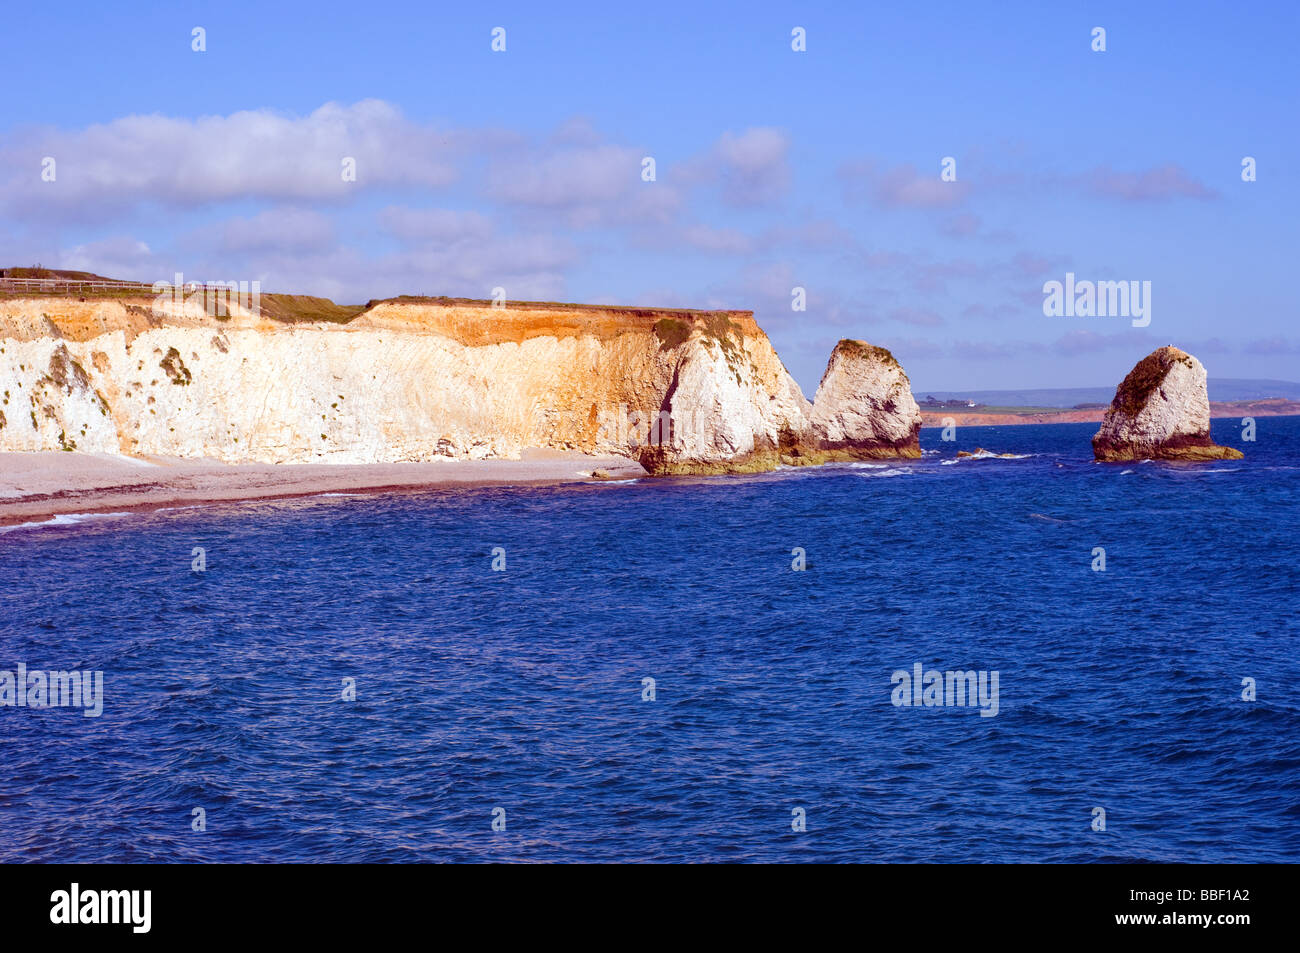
x=865, y=403
x=1161, y=409
x=48, y=402
x=401, y=382
x=731, y=398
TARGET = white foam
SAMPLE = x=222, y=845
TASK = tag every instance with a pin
x=988, y=455
x=62, y=519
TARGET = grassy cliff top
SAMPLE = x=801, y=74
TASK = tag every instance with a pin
x=630, y=311
x=475, y=322
x=850, y=347
x=36, y=271
x=291, y=308
x=1132, y=393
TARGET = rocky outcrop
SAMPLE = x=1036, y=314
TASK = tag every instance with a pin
x=982, y=454
x=723, y=403
x=1161, y=411
x=864, y=407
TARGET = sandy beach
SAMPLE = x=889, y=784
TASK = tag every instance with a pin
x=39, y=486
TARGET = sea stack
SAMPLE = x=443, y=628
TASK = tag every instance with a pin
x=864, y=406
x=1161, y=411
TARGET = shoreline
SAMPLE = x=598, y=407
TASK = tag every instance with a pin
x=37, y=487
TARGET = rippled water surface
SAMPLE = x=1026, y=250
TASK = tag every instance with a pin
x=523, y=690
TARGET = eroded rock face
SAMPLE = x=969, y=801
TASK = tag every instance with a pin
x=1161, y=411
x=404, y=380
x=729, y=405
x=864, y=406
x=415, y=379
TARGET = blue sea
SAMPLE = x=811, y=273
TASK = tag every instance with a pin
x=519, y=696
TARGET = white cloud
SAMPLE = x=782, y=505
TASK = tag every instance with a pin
x=570, y=177
x=901, y=186
x=434, y=224
x=750, y=167
x=253, y=154
x=722, y=240
x=116, y=257
x=278, y=229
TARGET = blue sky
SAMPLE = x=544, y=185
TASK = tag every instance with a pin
x=775, y=168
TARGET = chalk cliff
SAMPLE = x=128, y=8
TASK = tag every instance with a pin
x=410, y=379
x=406, y=379
x=864, y=406
x=1161, y=411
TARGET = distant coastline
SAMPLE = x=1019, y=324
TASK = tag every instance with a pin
x=1011, y=416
